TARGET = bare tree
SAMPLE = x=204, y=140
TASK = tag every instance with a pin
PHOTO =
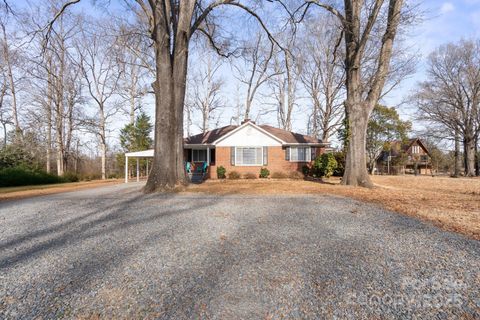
x=56, y=87
x=323, y=75
x=252, y=69
x=285, y=80
x=203, y=93
x=171, y=26
x=367, y=25
x=99, y=68
x=450, y=97
x=4, y=117
x=136, y=66
x=10, y=59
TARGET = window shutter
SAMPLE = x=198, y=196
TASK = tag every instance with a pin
x=287, y=153
x=232, y=156
x=265, y=156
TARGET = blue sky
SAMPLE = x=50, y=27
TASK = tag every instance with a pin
x=445, y=21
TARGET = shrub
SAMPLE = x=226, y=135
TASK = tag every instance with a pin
x=233, y=175
x=221, y=172
x=328, y=164
x=296, y=175
x=340, y=169
x=279, y=175
x=13, y=156
x=71, y=177
x=316, y=170
x=22, y=176
x=250, y=175
x=305, y=170
x=324, y=165
x=264, y=173
x=92, y=176
x=114, y=176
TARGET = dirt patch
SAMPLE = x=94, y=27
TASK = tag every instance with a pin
x=452, y=204
x=34, y=191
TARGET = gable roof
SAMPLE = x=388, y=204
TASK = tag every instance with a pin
x=289, y=137
x=211, y=136
x=284, y=136
x=399, y=145
x=405, y=146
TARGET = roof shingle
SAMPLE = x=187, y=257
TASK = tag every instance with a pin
x=288, y=137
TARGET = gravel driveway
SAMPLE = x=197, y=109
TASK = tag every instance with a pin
x=112, y=252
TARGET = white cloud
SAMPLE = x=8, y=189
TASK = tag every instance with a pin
x=447, y=7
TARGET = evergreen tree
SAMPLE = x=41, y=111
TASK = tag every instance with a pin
x=384, y=126
x=136, y=137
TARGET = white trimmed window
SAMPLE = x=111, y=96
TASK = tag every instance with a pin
x=199, y=155
x=300, y=154
x=249, y=156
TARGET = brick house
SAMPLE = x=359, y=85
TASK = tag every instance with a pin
x=248, y=147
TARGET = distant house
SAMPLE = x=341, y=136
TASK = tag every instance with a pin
x=411, y=156
x=248, y=147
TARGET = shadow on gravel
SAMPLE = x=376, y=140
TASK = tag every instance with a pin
x=304, y=263
x=61, y=235
x=100, y=263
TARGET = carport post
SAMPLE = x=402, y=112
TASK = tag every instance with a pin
x=138, y=169
x=126, y=169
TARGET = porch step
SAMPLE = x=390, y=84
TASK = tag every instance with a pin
x=196, y=178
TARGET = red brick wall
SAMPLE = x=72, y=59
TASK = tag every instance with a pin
x=276, y=162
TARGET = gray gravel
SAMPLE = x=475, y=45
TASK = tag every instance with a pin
x=112, y=252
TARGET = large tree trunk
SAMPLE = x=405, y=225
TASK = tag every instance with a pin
x=104, y=159
x=356, y=173
x=180, y=77
x=477, y=159
x=458, y=159
x=469, y=145
x=60, y=169
x=163, y=174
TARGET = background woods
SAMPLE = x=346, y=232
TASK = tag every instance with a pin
x=70, y=81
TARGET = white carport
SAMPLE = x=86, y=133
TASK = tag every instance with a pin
x=137, y=155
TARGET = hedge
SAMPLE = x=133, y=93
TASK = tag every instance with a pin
x=20, y=176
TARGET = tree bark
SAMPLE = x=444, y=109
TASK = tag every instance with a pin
x=469, y=145
x=458, y=158
x=357, y=108
x=103, y=142
x=163, y=174
x=7, y=57
x=49, y=114
x=60, y=107
x=180, y=77
x=356, y=173
x=104, y=160
x=49, y=135
x=477, y=157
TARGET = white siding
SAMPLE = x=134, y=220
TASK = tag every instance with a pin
x=249, y=136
